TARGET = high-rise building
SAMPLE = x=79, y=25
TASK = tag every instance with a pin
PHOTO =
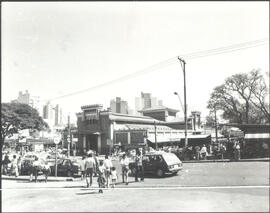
x=52, y=114
x=146, y=101
x=119, y=106
x=24, y=98
x=33, y=101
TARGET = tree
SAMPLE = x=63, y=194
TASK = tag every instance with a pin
x=18, y=116
x=242, y=98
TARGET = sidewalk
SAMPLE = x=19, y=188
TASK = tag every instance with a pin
x=227, y=160
x=40, y=177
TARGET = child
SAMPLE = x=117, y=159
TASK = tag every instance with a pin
x=101, y=177
x=114, y=176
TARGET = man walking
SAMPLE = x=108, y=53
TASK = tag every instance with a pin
x=139, y=166
x=108, y=165
x=89, y=167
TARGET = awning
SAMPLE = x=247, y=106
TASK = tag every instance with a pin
x=161, y=139
x=257, y=136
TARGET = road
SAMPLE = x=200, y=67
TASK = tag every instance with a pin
x=219, y=187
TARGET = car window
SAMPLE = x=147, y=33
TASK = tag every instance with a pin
x=146, y=158
x=66, y=163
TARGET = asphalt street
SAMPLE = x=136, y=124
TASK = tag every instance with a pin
x=230, y=186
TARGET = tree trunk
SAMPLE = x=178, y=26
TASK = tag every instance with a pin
x=247, y=111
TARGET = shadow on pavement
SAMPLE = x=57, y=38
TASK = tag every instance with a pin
x=87, y=193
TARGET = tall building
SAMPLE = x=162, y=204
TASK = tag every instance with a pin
x=52, y=114
x=33, y=101
x=146, y=101
x=24, y=98
x=119, y=106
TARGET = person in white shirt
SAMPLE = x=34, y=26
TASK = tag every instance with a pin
x=125, y=168
x=114, y=176
x=108, y=165
x=89, y=167
x=35, y=169
x=204, y=152
x=46, y=171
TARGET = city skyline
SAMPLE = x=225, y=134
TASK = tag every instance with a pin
x=53, y=53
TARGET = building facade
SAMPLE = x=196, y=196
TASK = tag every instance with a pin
x=100, y=130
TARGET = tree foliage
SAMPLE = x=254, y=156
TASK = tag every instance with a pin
x=18, y=116
x=242, y=98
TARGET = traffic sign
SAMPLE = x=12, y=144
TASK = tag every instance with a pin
x=57, y=140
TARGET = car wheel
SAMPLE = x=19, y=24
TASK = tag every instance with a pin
x=69, y=173
x=160, y=173
x=175, y=173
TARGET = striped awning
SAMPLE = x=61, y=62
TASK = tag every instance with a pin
x=257, y=136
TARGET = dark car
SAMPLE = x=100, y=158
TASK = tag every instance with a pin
x=67, y=167
x=160, y=163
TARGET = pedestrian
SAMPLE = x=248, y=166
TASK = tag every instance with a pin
x=125, y=168
x=114, y=176
x=14, y=166
x=5, y=163
x=197, y=152
x=89, y=167
x=97, y=165
x=101, y=177
x=237, y=151
x=82, y=168
x=19, y=162
x=204, y=152
x=46, y=171
x=108, y=166
x=222, y=150
x=34, y=169
x=139, y=166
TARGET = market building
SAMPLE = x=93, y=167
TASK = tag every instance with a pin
x=100, y=130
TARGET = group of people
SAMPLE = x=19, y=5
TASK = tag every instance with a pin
x=15, y=169
x=91, y=166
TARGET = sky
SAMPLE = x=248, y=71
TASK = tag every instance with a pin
x=57, y=48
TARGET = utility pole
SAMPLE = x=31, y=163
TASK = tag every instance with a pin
x=183, y=64
x=155, y=134
x=68, y=137
x=216, y=125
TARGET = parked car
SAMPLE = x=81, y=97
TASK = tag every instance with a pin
x=67, y=167
x=159, y=163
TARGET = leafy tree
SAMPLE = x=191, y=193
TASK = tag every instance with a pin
x=210, y=121
x=18, y=116
x=242, y=98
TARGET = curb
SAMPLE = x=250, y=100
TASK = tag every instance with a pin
x=50, y=179
x=228, y=160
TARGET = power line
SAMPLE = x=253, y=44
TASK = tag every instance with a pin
x=170, y=61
